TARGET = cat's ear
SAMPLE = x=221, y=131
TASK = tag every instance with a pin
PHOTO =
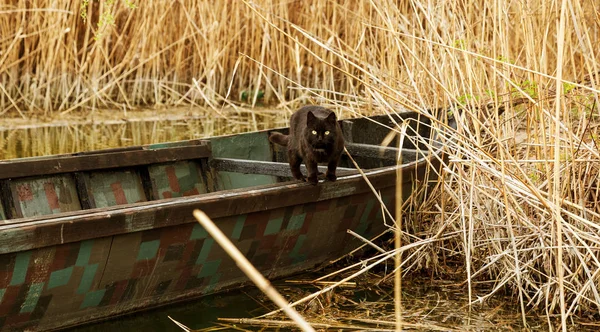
x=331, y=118
x=310, y=118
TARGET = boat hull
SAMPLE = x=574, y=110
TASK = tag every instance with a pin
x=104, y=253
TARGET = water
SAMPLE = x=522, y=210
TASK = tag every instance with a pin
x=195, y=314
x=31, y=138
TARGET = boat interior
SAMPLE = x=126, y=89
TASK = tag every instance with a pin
x=39, y=186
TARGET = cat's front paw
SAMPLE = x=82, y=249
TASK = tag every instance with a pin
x=312, y=180
x=298, y=176
x=331, y=176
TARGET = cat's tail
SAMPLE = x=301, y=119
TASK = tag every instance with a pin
x=279, y=138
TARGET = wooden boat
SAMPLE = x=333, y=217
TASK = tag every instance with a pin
x=89, y=236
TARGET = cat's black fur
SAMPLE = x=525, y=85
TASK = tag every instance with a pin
x=315, y=137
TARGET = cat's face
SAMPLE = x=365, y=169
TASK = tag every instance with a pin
x=320, y=132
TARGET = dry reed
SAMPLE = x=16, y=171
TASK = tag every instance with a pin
x=518, y=204
x=165, y=53
x=251, y=272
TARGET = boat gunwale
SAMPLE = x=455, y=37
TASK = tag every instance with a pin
x=100, y=160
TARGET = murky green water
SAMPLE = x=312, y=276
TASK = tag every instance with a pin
x=195, y=314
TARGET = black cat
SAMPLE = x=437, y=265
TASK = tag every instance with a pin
x=315, y=137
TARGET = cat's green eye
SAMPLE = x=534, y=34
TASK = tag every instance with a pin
x=327, y=132
x=314, y=132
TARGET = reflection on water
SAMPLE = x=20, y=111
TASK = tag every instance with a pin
x=18, y=140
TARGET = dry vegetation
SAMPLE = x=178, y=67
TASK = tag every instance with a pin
x=518, y=206
x=166, y=53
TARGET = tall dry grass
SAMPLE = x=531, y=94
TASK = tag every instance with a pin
x=167, y=53
x=518, y=206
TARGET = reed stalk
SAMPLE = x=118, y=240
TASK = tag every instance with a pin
x=253, y=274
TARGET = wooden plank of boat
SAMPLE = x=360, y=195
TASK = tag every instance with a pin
x=265, y=167
x=107, y=160
x=89, y=242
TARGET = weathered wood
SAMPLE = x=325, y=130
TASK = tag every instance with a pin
x=36, y=232
x=207, y=175
x=6, y=200
x=263, y=167
x=372, y=151
x=381, y=152
x=151, y=259
x=83, y=191
x=346, y=130
x=86, y=162
x=146, y=183
x=374, y=129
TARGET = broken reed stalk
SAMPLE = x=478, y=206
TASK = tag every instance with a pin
x=398, y=233
x=378, y=323
x=253, y=274
x=366, y=241
x=181, y=326
x=320, y=283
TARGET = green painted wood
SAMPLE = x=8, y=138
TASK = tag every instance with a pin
x=69, y=284
x=114, y=188
x=278, y=169
x=103, y=159
x=25, y=234
x=44, y=195
x=373, y=130
x=178, y=179
x=6, y=201
x=250, y=146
